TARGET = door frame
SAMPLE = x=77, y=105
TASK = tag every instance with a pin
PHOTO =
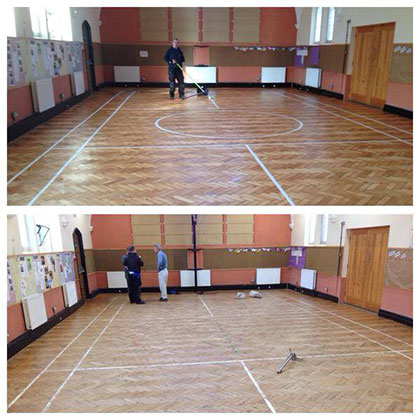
x=353, y=96
x=348, y=252
x=89, y=56
x=82, y=275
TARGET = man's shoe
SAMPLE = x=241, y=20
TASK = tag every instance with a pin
x=140, y=302
x=163, y=300
x=181, y=97
x=172, y=97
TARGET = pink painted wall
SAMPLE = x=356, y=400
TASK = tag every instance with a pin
x=398, y=301
x=150, y=278
x=120, y=25
x=15, y=322
x=233, y=74
x=232, y=276
x=53, y=298
x=156, y=74
x=61, y=84
x=400, y=95
x=19, y=100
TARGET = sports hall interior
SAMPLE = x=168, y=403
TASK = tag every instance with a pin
x=306, y=106
x=336, y=291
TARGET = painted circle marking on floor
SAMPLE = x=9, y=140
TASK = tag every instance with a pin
x=158, y=125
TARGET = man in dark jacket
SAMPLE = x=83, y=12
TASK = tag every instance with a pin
x=174, y=56
x=132, y=264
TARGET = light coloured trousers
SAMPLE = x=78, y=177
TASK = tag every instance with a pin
x=163, y=278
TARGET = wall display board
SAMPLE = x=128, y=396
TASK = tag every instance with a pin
x=30, y=274
x=32, y=59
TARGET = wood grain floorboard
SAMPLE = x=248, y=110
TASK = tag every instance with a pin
x=184, y=357
x=326, y=151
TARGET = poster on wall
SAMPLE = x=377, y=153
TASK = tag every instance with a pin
x=76, y=56
x=24, y=268
x=65, y=267
x=11, y=298
x=38, y=273
x=15, y=69
x=297, y=257
x=49, y=270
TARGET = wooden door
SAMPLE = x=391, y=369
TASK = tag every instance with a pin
x=371, y=63
x=366, y=266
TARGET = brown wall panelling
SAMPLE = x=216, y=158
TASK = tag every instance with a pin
x=399, y=268
x=222, y=258
x=90, y=261
x=246, y=24
x=110, y=259
x=215, y=24
x=97, y=53
x=185, y=23
x=154, y=23
x=128, y=55
x=331, y=58
x=228, y=56
x=322, y=259
x=402, y=65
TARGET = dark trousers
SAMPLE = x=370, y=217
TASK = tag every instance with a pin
x=133, y=284
x=175, y=73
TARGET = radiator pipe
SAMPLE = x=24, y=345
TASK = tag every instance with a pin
x=194, y=224
x=340, y=255
x=345, y=46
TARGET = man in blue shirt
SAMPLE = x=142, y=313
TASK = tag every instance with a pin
x=174, y=56
x=162, y=270
x=132, y=264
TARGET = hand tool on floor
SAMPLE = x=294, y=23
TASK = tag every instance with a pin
x=291, y=357
x=201, y=90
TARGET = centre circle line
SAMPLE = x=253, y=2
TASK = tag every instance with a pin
x=300, y=125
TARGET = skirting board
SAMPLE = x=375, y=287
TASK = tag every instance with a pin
x=313, y=293
x=319, y=91
x=399, y=111
x=396, y=317
x=21, y=127
x=204, y=289
x=29, y=336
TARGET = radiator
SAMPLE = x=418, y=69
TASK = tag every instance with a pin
x=313, y=77
x=70, y=295
x=78, y=83
x=127, y=74
x=116, y=279
x=268, y=275
x=187, y=278
x=200, y=74
x=308, y=279
x=273, y=74
x=42, y=94
x=34, y=311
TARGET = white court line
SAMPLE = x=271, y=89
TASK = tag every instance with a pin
x=267, y=401
x=236, y=137
x=273, y=180
x=229, y=361
x=40, y=156
x=353, y=113
x=208, y=309
x=212, y=101
x=57, y=356
x=48, y=405
x=348, y=329
x=354, y=322
x=285, y=143
x=75, y=154
x=345, y=118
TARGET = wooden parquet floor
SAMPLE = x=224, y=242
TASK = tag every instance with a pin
x=253, y=147
x=214, y=353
